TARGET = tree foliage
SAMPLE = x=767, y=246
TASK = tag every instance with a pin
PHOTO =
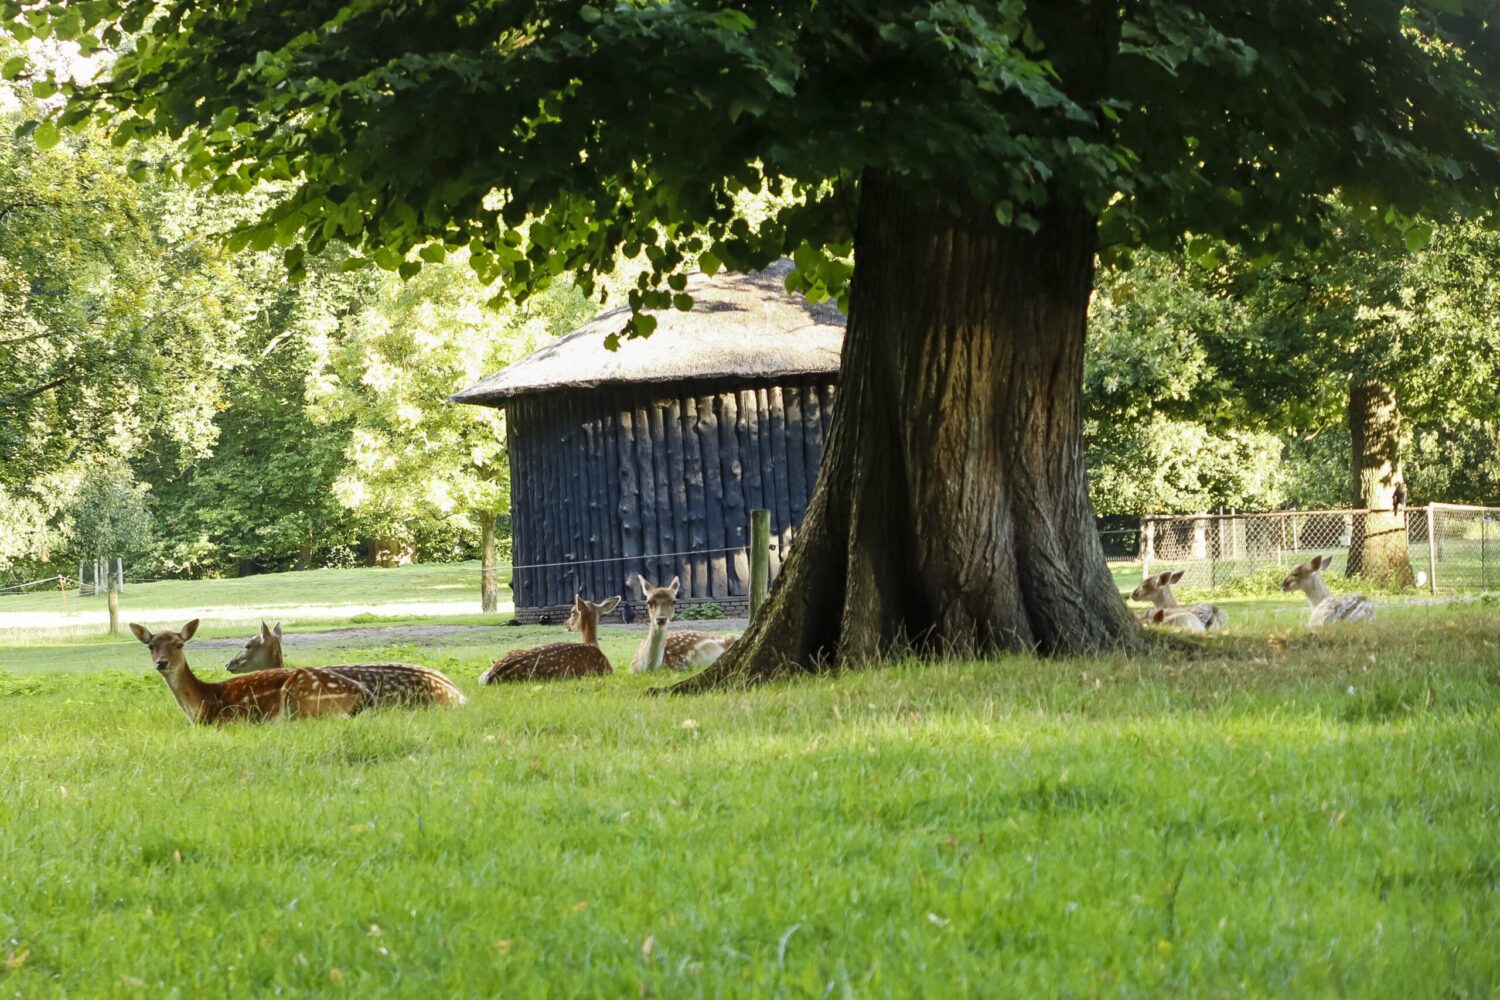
x=548, y=138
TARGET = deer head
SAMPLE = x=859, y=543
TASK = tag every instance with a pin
x=167, y=653
x=1299, y=578
x=661, y=602
x=586, y=610
x=1153, y=586
x=261, y=652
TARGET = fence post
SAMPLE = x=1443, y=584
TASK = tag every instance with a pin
x=1431, y=549
x=760, y=558
x=1148, y=533
x=120, y=574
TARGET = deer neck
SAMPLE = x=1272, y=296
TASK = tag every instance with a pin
x=1315, y=589
x=197, y=699
x=273, y=656
x=588, y=628
x=655, y=646
x=1163, y=598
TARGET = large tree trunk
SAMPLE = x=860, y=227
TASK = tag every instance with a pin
x=489, y=581
x=952, y=514
x=1377, y=549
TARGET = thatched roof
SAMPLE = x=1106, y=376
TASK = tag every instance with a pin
x=741, y=325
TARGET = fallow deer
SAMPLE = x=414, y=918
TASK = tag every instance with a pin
x=1326, y=607
x=1176, y=618
x=559, y=660
x=1158, y=590
x=676, y=650
x=278, y=693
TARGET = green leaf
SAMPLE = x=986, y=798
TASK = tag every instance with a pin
x=682, y=301
x=433, y=253
x=644, y=324
x=46, y=135
x=1417, y=237
x=709, y=263
x=14, y=67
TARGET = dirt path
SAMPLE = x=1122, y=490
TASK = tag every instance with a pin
x=368, y=635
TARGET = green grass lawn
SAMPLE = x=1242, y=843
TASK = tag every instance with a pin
x=1286, y=814
x=353, y=588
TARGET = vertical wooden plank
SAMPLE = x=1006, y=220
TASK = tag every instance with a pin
x=576, y=497
x=552, y=551
x=536, y=530
x=748, y=429
x=797, y=489
x=519, y=503
x=628, y=435
x=661, y=463
x=769, y=476
x=677, y=494
x=812, y=435
x=645, y=463
x=828, y=390
x=592, y=459
x=776, y=406
x=697, y=503
x=713, y=495
x=736, y=511
x=760, y=558
x=614, y=571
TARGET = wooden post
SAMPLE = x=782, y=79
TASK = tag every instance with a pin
x=62, y=588
x=1431, y=549
x=760, y=558
x=114, y=605
x=1149, y=550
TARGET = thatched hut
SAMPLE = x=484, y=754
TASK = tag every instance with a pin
x=648, y=459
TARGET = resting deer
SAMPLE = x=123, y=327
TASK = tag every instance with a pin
x=277, y=693
x=1158, y=590
x=1181, y=618
x=559, y=660
x=1325, y=606
x=678, y=650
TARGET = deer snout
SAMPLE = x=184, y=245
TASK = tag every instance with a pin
x=161, y=664
x=662, y=621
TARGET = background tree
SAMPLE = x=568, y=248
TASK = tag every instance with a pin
x=972, y=156
x=388, y=375
x=1359, y=336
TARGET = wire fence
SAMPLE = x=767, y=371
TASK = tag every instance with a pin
x=1450, y=547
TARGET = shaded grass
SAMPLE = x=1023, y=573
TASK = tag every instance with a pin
x=1310, y=815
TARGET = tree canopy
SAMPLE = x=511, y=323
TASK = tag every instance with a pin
x=550, y=138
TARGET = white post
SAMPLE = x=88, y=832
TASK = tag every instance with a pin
x=1148, y=529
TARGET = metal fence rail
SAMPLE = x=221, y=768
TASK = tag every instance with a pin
x=1452, y=547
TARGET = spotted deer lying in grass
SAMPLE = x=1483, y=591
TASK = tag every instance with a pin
x=559, y=660
x=675, y=650
x=277, y=693
x=1326, y=607
x=1158, y=590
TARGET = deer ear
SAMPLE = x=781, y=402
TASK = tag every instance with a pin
x=1322, y=562
x=1162, y=579
x=675, y=586
x=646, y=588
x=189, y=629
x=1159, y=615
x=265, y=630
x=276, y=630
x=1177, y=576
x=607, y=605
x=141, y=632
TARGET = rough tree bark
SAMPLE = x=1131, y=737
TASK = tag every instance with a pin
x=489, y=581
x=951, y=515
x=1377, y=549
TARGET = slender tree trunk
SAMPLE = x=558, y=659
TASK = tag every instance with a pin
x=1377, y=549
x=952, y=514
x=489, y=583
x=113, y=599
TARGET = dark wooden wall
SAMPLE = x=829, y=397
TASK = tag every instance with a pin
x=633, y=473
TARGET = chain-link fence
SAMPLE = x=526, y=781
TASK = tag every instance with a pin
x=1450, y=547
